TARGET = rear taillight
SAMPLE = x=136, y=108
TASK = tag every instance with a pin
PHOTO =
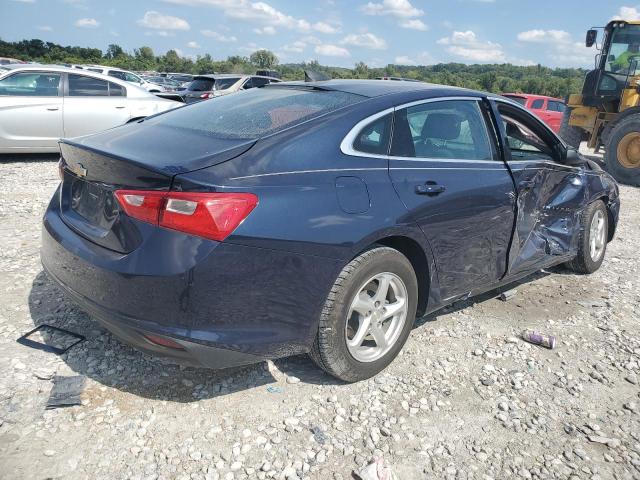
x=209, y=215
x=207, y=95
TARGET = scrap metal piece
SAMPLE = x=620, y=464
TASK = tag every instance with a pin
x=56, y=335
x=536, y=338
x=508, y=295
x=66, y=391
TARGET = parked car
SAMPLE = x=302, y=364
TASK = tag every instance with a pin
x=204, y=87
x=548, y=109
x=294, y=218
x=41, y=103
x=169, y=84
x=268, y=73
x=127, y=77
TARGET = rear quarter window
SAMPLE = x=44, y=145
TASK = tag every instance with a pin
x=256, y=112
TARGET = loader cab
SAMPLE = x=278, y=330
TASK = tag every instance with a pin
x=617, y=63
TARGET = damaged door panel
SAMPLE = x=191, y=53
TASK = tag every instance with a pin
x=549, y=202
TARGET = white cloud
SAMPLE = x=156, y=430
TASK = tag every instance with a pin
x=332, y=51
x=366, y=40
x=260, y=12
x=414, y=24
x=159, y=21
x=45, y=28
x=311, y=40
x=25, y=1
x=295, y=47
x=544, y=36
x=627, y=13
x=193, y=45
x=218, y=36
x=87, y=23
x=560, y=47
x=405, y=60
x=268, y=30
x=467, y=45
x=396, y=8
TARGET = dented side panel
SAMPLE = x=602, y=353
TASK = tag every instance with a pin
x=550, y=201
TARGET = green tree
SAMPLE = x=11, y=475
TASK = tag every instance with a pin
x=264, y=59
x=113, y=51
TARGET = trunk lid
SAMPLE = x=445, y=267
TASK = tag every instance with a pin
x=137, y=158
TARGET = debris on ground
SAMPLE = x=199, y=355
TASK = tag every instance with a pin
x=536, y=338
x=66, y=391
x=508, y=295
x=375, y=470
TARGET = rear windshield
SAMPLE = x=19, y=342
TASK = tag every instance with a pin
x=207, y=84
x=520, y=100
x=256, y=112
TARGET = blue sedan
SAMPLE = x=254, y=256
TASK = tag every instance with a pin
x=316, y=218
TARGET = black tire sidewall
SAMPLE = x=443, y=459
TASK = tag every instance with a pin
x=572, y=136
x=387, y=260
x=621, y=173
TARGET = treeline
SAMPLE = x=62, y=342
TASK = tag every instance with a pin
x=557, y=82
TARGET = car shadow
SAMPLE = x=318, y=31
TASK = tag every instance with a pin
x=30, y=157
x=106, y=360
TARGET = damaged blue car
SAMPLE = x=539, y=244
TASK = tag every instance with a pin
x=316, y=218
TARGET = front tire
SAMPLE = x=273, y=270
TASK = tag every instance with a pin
x=622, y=158
x=592, y=241
x=367, y=316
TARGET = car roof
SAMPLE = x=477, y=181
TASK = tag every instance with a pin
x=531, y=95
x=377, y=88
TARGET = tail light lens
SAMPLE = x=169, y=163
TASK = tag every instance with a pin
x=209, y=215
x=207, y=95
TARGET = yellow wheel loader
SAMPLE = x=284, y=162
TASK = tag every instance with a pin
x=607, y=112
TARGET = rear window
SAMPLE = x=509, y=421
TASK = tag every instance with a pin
x=256, y=112
x=520, y=100
x=201, y=85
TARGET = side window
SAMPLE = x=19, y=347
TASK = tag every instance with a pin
x=116, y=90
x=130, y=77
x=260, y=82
x=374, y=138
x=117, y=74
x=537, y=104
x=449, y=129
x=526, y=139
x=31, y=84
x=248, y=84
x=81, y=86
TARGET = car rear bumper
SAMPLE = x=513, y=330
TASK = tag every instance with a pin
x=225, y=304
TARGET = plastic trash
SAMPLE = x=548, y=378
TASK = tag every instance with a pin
x=375, y=470
x=537, y=338
x=508, y=295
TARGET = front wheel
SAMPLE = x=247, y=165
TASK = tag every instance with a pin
x=622, y=158
x=367, y=316
x=592, y=242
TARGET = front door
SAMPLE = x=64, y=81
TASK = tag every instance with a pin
x=30, y=111
x=549, y=193
x=445, y=168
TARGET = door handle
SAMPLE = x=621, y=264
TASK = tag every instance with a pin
x=524, y=184
x=120, y=106
x=53, y=109
x=430, y=188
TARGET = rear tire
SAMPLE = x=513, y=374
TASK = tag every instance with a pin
x=592, y=241
x=336, y=348
x=571, y=135
x=622, y=157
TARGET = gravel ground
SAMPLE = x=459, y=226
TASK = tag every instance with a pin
x=466, y=398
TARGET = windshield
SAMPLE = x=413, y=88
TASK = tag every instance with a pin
x=624, y=51
x=515, y=98
x=254, y=113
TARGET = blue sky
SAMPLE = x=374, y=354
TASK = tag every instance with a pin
x=334, y=32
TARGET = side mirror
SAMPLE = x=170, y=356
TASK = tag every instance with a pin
x=573, y=158
x=592, y=36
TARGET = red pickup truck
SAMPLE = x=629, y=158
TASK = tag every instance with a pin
x=548, y=109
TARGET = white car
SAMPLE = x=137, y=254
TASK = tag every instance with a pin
x=127, y=77
x=40, y=104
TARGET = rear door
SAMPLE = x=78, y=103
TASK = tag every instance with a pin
x=549, y=193
x=445, y=168
x=31, y=110
x=92, y=105
x=555, y=110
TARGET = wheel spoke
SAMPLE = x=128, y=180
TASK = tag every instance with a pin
x=383, y=289
x=361, y=333
x=379, y=336
x=394, y=308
